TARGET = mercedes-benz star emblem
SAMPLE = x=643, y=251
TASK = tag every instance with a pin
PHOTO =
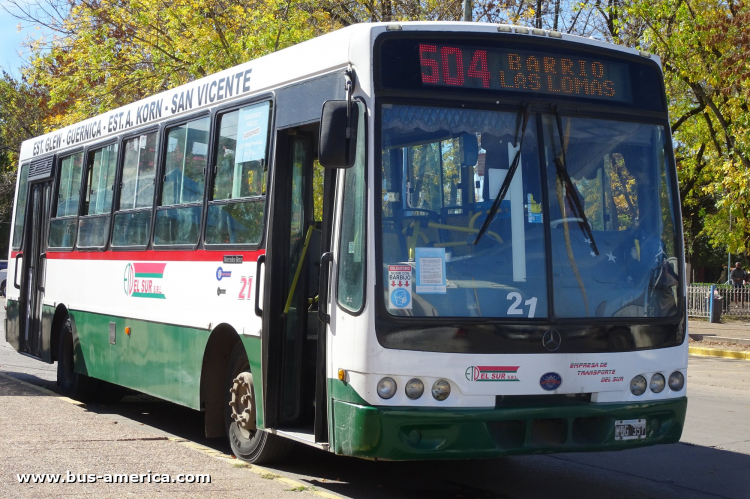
x=551, y=340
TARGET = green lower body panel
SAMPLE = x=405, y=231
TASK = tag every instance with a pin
x=158, y=359
x=413, y=434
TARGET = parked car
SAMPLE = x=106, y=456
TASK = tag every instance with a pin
x=3, y=278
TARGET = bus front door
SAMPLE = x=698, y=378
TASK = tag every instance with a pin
x=294, y=349
x=32, y=273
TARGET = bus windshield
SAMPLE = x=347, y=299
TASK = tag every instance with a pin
x=442, y=168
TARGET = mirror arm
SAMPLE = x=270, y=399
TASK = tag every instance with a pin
x=349, y=87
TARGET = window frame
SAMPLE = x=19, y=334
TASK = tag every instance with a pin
x=84, y=185
x=216, y=115
x=159, y=185
x=341, y=178
x=20, y=247
x=56, y=195
x=158, y=129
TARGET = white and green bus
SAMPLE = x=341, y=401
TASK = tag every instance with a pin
x=395, y=241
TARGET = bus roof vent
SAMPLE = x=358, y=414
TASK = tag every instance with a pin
x=504, y=28
x=538, y=32
x=522, y=31
x=393, y=27
x=41, y=168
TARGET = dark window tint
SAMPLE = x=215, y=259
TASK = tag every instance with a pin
x=184, y=168
x=23, y=180
x=69, y=190
x=139, y=167
x=177, y=225
x=132, y=224
x=93, y=231
x=93, y=228
x=187, y=149
x=235, y=214
x=101, y=176
x=131, y=228
x=62, y=232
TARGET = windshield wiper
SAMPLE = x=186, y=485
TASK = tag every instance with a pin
x=508, y=177
x=562, y=173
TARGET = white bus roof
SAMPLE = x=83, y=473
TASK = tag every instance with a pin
x=305, y=60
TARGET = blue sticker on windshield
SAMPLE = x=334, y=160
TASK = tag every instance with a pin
x=430, y=271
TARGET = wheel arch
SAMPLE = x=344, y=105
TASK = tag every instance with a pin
x=58, y=319
x=216, y=357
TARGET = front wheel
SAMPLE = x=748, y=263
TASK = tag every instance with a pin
x=247, y=441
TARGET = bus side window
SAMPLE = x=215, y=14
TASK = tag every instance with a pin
x=178, y=217
x=132, y=223
x=64, y=225
x=93, y=229
x=20, y=207
x=235, y=210
x=351, y=275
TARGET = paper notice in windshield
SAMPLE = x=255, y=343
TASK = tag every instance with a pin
x=430, y=270
x=399, y=287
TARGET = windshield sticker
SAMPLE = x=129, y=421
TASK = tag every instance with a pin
x=534, y=210
x=399, y=287
x=492, y=373
x=430, y=270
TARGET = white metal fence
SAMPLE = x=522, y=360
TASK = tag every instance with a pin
x=733, y=301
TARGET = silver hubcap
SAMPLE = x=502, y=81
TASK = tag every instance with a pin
x=242, y=403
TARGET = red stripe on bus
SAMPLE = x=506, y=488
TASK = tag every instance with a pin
x=151, y=255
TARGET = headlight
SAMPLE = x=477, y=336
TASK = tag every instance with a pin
x=657, y=383
x=414, y=388
x=676, y=381
x=386, y=388
x=638, y=385
x=441, y=389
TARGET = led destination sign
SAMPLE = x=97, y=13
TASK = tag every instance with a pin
x=512, y=70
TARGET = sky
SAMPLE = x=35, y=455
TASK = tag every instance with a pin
x=10, y=42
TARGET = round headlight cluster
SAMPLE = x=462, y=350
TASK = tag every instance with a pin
x=657, y=383
x=387, y=388
x=638, y=385
x=414, y=388
x=441, y=389
x=676, y=381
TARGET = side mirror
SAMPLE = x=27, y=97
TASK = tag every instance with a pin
x=336, y=147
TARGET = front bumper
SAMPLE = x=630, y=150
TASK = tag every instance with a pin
x=416, y=434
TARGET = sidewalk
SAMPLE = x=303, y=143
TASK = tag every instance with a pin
x=729, y=339
x=42, y=432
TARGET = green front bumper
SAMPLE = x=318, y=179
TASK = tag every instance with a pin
x=407, y=434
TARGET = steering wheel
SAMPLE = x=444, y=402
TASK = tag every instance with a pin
x=555, y=223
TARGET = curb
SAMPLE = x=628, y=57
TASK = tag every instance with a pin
x=258, y=470
x=717, y=352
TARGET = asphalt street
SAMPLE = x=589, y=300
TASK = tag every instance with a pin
x=712, y=461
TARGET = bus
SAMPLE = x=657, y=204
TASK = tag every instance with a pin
x=401, y=241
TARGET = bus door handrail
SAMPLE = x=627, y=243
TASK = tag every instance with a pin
x=261, y=261
x=15, y=271
x=325, y=260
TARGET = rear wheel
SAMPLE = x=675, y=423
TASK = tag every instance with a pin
x=74, y=385
x=248, y=443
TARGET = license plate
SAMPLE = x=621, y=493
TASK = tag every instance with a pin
x=630, y=429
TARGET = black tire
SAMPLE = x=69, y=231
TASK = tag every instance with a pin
x=261, y=447
x=2, y=288
x=74, y=385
